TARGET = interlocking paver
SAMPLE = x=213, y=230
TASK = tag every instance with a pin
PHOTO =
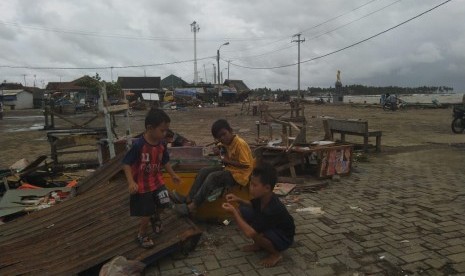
x=407, y=223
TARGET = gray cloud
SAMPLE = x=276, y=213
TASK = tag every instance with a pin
x=426, y=51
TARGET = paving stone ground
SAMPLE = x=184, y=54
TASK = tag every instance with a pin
x=400, y=213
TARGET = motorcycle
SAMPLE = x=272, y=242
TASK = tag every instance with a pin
x=458, y=123
x=390, y=106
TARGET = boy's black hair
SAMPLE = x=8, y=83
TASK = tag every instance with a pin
x=266, y=173
x=219, y=125
x=156, y=117
x=169, y=133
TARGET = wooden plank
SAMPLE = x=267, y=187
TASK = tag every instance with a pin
x=83, y=232
x=348, y=125
x=117, y=108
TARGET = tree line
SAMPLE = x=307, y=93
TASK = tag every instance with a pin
x=354, y=89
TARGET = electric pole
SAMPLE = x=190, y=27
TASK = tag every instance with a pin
x=298, y=40
x=195, y=28
x=24, y=75
x=214, y=73
x=205, y=71
x=228, y=68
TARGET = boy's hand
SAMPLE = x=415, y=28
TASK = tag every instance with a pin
x=133, y=187
x=232, y=198
x=176, y=179
x=229, y=207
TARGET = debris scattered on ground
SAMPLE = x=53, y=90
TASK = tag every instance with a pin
x=311, y=210
x=356, y=208
x=310, y=188
x=283, y=189
x=195, y=272
x=290, y=199
x=120, y=266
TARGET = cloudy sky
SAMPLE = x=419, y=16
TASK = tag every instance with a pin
x=428, y=50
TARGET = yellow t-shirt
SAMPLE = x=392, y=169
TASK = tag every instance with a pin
x=239, y=151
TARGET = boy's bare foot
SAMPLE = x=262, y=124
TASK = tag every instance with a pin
x=271, y=260
x=251, y=248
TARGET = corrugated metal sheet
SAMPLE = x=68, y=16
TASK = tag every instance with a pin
x=85, y=231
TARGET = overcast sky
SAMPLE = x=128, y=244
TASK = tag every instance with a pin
x=87, y=33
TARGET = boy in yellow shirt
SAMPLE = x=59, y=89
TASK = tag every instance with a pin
x=236, y=169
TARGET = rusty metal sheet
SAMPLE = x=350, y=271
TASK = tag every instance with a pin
x=86, y=231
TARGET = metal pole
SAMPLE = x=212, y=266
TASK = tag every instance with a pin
x=298, y=69
x=205, y=71
x=214, y=73
x=218, y=59
x=228, y=68
x=195, y=28
x=298, y=62
x=218, y=63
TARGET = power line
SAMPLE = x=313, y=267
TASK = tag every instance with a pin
x=325, y=33
x=313, y=27
x=355, y=20
x=99, y=67
x=349, y=46
x=336, y=17
x=110, y=35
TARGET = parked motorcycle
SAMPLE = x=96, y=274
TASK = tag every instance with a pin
x=458, y=123
x=390, y=106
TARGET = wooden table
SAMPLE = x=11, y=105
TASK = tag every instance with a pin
x=333, y=159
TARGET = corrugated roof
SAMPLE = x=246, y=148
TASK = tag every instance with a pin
x=138, y=83
x=13, y=92
x=85, y=231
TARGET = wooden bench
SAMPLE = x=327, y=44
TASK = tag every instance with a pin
x=353, y=127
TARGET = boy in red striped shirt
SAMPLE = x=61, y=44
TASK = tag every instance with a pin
x=142, y=166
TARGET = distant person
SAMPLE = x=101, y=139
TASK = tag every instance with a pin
x=177, y=140
x=264, y=218
x=382, y=99
x=237, y=166
x=142, y=166
x=391, y=101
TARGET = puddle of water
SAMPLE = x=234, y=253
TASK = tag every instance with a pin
x=33, y=127
x=22, y=117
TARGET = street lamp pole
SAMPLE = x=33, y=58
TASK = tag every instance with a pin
x=218, y=60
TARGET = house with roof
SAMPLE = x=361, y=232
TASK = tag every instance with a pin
x=16, y=99
x=171, y=82
x=239, y=86
x=141, y=85
x=77, y=90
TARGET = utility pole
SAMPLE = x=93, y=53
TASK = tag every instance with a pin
x=218, y=60
x=228, y=68
x=214, y=73
x=205, y=71
x=298, y=40
x=195, y=28
x=111, y=73
x=24, y=75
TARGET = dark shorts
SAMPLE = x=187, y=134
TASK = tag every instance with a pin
x=145, y=205
x=277, y=237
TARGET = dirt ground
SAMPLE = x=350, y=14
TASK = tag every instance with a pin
x=20, y=136
x=400, y=213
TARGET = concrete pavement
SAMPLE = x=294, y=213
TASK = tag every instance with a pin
x=400, y=213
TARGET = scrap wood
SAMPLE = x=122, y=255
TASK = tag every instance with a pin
x=282, y=189
x=310, y=188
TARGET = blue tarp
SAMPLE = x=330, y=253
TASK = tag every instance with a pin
x=185, y=92
x=228, y=91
